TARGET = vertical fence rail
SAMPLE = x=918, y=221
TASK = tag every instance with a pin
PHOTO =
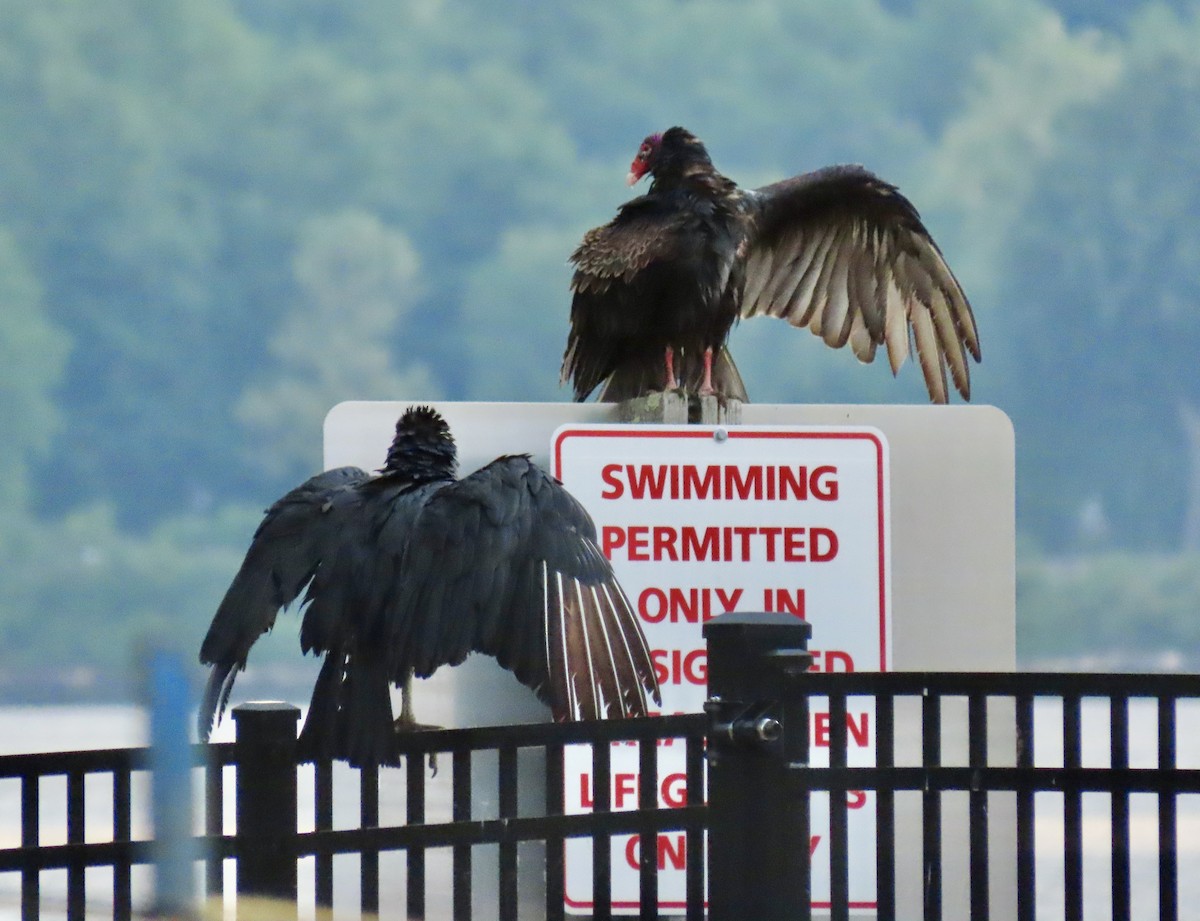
x=30, y=877
x=839, y=831
x=1118, y=730
x=931, y=806
x=694, y=880
x=76, y=887
x=122, y=831
x=977, y=824
x=555, y=862
x=1168, y=868
x=1072, y=812
x=648, y=861
x=461, y=812
x=323, y=821
x=796, y=714
x=1026, y=869
x=368, y=807
x=214, y=824
x=885, y=808
x=414, y=811
x=602, y=844
x=507, y=784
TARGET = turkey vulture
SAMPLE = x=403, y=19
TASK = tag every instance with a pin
x=658, y=288
x=411, y=568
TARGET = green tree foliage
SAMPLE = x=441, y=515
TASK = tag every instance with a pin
x=1121, y=609
x=217, y=219
x=32, y=353
x=516, y=297
x=356, y=281
x=80, y=594
x=1098, y=280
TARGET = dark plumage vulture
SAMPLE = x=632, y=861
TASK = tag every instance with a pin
x=410, y=568
x=658, y=288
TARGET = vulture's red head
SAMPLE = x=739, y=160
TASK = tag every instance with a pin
x=644, y=161
x=667, y=154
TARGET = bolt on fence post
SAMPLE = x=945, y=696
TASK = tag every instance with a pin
x=266, y=799
x=758, y=829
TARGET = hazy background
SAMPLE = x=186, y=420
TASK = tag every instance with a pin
x=218, y=219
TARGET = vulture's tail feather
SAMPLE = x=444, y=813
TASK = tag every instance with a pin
x=370, y=735
x=319, y=739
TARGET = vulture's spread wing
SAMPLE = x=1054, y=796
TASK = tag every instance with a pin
x=297, y=533
x=845, y=254
x=505, y=562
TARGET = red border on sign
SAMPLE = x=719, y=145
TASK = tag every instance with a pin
x=732, y=432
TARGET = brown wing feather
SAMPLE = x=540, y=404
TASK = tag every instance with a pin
x=624, y=246
x=844, y=253
x=597, y=659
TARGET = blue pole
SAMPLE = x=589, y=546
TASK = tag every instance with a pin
x=171, y=783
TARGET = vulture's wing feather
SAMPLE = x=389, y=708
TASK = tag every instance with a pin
x=505, y=562
x=644, y=231
x=297, y=533
x=620, y=268
x=845, y=254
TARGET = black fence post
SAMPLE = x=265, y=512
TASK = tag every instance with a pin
x=266, y=799
x=758, y=835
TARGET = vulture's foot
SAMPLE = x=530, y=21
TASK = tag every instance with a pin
x=405, y=723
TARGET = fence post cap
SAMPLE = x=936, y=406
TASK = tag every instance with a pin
x=752, y=622
x=275, y=707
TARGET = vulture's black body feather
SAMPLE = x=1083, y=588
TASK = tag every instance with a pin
x=840, y=251
x=410, y=569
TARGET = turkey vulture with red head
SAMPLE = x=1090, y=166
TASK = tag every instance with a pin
x=658, y=288
x=410, y=568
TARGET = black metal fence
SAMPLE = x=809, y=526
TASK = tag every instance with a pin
x=988, y=779
x=928, y=738
x=946, y=764
x=267, y=815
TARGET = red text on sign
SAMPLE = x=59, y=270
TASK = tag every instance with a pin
x=831, y=660
x=692, y=605
x=680, y=666
x=672, y=790
x=858, y=728
x=784, y=601
x=672, y=849
x=720, y=544
x=755, y=482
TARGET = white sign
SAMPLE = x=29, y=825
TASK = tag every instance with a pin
x=698, y=521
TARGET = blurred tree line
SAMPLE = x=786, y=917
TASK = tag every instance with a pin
x=217, y=220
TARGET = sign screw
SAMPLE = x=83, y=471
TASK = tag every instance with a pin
x=720, y=435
